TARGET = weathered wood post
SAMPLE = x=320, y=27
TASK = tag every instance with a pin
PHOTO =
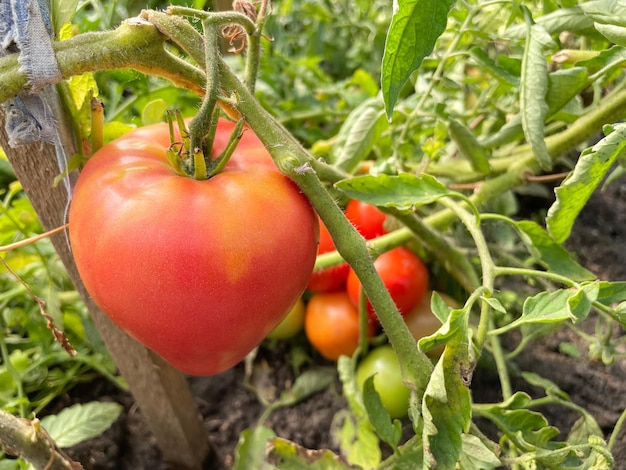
x=160, y=390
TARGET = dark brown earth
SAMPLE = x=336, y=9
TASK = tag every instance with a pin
x=599, y=240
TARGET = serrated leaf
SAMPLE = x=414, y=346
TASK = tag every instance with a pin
x=575, y=191
x=446, y=405
x=476, y=454
x=468, y=145
x=358, y=135
x=549, y=253
x=615, y=34
x=80, y=422
x=404, y=191
x=533, y=91
x=387, y=429
x=415, y=27
x=251, y=449
x=287, y=455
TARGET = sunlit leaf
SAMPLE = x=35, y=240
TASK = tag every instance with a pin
x=606, y=11
x=287, y=455
x=80, y=422
x=475, y=454
x=570, y=19
x=415, y=27
x=574, y=192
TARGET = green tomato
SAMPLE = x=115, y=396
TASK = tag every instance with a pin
x=292, y=324
x=394, y=394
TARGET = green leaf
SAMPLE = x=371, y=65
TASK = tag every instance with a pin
x=527, y=429
x=388, y=430
x=549, y=253
x=556, y=306
x=564, y=19
x=251, y=449
x=359, y=133
x=80, y=422
x=287, y=455
x=584, y=427
x=446, y=405
x=306, y=384
x=605, y=61
x=606, y=11
x=615, y=34
x=575, y=191
x=533, y=91
x=415, y=27
x=501, y=73
x=476, y=454
x=154, y=112
x=352, y=428
x=469, y=146
x=611, y=292
x=404, y=191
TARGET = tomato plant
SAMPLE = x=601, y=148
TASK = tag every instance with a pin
x=404, y=274
x=292, y=324
x=367, y=218
x=331, y=324
x=327, y=279
x=198, y=271
x=383, y=364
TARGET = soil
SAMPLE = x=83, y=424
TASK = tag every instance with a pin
x=228, y=407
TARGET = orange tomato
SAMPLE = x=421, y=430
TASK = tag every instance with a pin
x=331, y=324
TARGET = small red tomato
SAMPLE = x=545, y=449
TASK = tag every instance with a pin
x=404, y=275
x=328, y=279
x=367, y=219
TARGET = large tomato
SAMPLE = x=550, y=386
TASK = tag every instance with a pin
x=198, y=271
x=404, y=276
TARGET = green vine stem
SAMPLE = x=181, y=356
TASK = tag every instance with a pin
x=34, y=445
x=293, y=160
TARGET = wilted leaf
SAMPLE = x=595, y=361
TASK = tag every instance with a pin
x=287, y=455
x=251, y=449
x=533, y=91
x=575, y=191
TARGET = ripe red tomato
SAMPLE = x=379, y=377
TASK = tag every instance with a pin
x=367, y=218
x=198, y=271
x=404, y=275
x=331, y=324
x=383, y=364
x=328, y=279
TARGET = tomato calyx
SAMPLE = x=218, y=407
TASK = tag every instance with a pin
x=193, y=161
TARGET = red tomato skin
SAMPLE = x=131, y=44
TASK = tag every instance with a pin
x=367, y=218
x=198, y=271
x=328, y=279
x=404, y=275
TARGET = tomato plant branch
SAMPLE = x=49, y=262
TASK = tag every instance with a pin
x=27, y=439
x=293, y=160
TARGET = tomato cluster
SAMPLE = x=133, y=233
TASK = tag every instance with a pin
x=331, y=315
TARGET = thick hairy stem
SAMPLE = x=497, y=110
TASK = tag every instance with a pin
x=34, y=445
x=294, y=161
